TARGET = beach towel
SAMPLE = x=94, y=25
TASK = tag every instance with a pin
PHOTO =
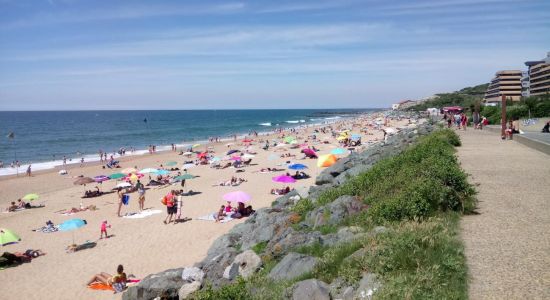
x=99, y=286
x=211, y=217
x=143, y=214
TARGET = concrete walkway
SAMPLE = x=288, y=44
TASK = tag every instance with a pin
x=508, y=242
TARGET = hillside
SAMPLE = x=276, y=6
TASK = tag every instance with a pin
x=465, y=97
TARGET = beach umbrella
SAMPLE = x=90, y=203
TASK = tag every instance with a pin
x=30, y=197
x=101, y=178
x=188, y=153
x=289, y=139
x=215, y=159
x=7, y=237
x=171, y=163
x=117, y=175
x=195, y=146
x=355, y=136
x=184, y=177
x=297, y=167
x=326, y=160
x=273, y=157
x=148, y=170
x=83, y=180
x=235, y=158
x=247, y=141
x=133, y=177
x=283, y=179
x=230, y=144
x=123, y=185
x=232, y=151
x=237, y=196
x=129, y=171
x=247, y=156
x=341, y=138
x=202, y=154
x=338, y=151
x=162, y=172
x=188, y=166
x=71, y=225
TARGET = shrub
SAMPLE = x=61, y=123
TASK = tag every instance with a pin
x=259, y=248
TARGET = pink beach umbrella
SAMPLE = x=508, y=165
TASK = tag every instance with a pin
x=284, y=179
x=237, y=196
x=235, y=158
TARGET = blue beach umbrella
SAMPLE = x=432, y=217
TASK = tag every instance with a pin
x=71, y=225
x=355, y=136
x=338, y=151
x=161, y=172
x=297, y=167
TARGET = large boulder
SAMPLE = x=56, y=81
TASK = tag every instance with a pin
x=188, y=289
x=245, y=265
x=191, y=274
x=368, y=285
x=336, y=211
x=214, y=267
x=344, y=235
x=292, y=266
x=340, y=289
x=311, y=289
x=165, y=285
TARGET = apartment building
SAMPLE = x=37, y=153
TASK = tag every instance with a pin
x=506, y=83
x=539, y=76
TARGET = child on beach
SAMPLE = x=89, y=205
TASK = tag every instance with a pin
x=104, y=226
x=220, y=215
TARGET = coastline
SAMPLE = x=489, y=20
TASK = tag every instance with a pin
x=187, y=243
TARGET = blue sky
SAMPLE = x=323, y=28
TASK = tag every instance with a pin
x=71, y=54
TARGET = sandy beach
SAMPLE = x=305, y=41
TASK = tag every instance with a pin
x=142, y=245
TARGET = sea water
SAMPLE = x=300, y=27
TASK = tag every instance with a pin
x=43, y=138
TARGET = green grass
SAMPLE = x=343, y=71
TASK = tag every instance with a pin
x=259, y=248
x=419, y=196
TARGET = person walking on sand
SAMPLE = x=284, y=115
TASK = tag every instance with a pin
x=170, y=207
x=179, y=204
x=141, y=191
x=29, y=172
x=104, y=226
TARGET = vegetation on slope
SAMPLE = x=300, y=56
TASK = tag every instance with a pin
x=418, y=196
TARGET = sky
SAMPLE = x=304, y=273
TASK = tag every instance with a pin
x=73, y=55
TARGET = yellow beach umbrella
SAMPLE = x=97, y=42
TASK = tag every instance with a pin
x=196, y=145
x=133, y=178
x=326, y=160
x=7, y=237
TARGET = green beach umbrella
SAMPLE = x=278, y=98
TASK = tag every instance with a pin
x=289, y=139
x=184, y=177
x=30, y=197
x=171, y=163
x=117, y=175
x=7, y=236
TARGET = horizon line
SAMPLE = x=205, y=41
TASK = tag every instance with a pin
x=179, y=109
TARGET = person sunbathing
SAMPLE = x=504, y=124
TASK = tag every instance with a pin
x=280, y=191
x=117, y=282
x=12, y=207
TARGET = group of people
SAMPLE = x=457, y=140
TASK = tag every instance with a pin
x=174, y=203
x=234, y=181
x=20, y=205
x=234, y=212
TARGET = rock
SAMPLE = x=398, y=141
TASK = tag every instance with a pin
x=344, y=235
x=214, y=267
x=311, y=289
x=191, y=274
x=303, y=191
x=292, y=265
x=293, y=238
x=262, y=233
x=165, y=284
x=248, y=263
x=339, y=289
x=241, y=229
x=324, y=179
x=335, y=212
x=231, y=271
x=367, y=286
x=188, y=289
x=221, y=244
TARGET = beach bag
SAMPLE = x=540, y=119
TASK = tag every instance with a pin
x=125, y=199
x=164, y=200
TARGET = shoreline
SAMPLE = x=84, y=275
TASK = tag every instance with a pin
x=90, y=159
x=141, y=245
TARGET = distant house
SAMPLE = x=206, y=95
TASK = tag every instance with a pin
x=403, y=104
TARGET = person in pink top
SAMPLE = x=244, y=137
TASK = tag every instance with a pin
x=170, y=207
x=104, y=226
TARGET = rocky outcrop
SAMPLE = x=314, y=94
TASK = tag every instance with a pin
x=280, y=229
x=292, y=266
x=311, y=289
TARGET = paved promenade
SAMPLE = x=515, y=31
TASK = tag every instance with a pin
x=508, y=242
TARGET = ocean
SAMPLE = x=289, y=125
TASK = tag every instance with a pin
x=43, y=138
